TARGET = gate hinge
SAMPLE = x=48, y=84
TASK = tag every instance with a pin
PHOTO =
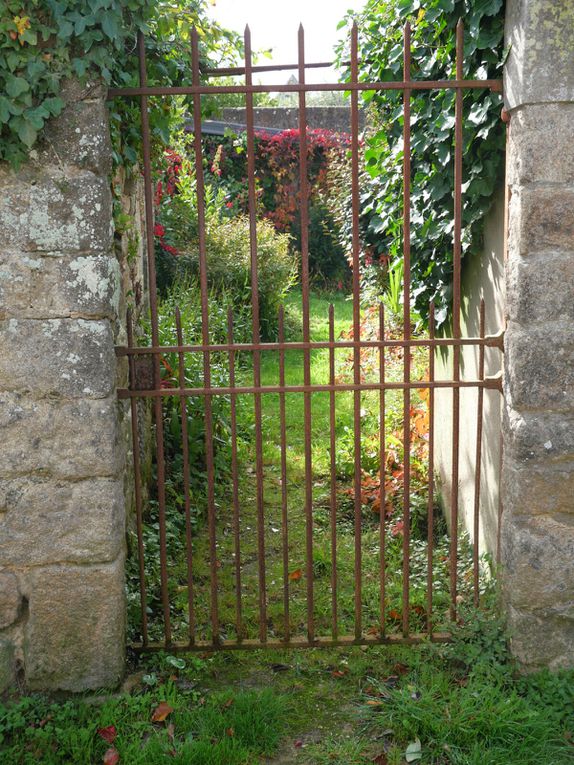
x=495, y=341
x=143, y=378
x=494, y=382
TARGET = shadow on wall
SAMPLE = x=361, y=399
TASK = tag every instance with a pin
x=482, y=277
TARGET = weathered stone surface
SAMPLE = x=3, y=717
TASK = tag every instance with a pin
x=538, y=554
x=539, y=371
x=58, y=357
x=540, y=36
x=75, y=635
x=84, y=125
x=537, y=489
x=45, y=209
x=535, y=133
x=10, y=598
x=543, y=439
x=542, y=639
x=7, y=664
x=539, y=367
x=75, y=439
x=62, y=286
x=541, y=219
x=49, y=521
x=540, y=288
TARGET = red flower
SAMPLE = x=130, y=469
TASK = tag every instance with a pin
x=158, y=230
x=398, y=528
x=229, y=204
x=158, y=193
x=169, y=248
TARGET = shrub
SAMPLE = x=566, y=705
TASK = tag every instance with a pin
x=278, y=188
x=228, y=249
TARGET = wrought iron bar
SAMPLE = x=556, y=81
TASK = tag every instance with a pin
x=208, y=415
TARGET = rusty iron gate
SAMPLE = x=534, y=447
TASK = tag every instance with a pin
x=307, y=634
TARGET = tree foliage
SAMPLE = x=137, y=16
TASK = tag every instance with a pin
x=432, y=145
x=52, y=40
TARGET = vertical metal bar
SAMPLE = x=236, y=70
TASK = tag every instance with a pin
x=407, y=324
x=235, y=480
x=430, y=508
x=304, y=209
x=382, y=470
x=186, y=473
x=356, y=327
x=200, y=189
x=137, y=481
x=333, y=466
x=478, y=459
x=158, y=412
x=457, y=252
x=256, y=337
x=284, y=506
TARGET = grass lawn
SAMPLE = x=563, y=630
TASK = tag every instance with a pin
x=293, y=566
x=456, y=704
x=461, y=704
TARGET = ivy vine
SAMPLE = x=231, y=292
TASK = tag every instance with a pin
x=44, y=42
x=433, y=57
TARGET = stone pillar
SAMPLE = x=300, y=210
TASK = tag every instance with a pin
x=538, y=472
x=62, y=507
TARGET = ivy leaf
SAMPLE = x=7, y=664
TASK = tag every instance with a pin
x=15, y=86
x=26, y=131
x=4, y=109
x=110, y=25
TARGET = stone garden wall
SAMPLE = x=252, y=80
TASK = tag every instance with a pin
x=64, y=439
x=538, y=474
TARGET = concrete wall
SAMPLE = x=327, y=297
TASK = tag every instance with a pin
x=538, y=473
x=63, y=459
x=482, y=277
x=337, y=118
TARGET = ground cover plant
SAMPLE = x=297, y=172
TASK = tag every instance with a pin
x=291, y=570
x=457, y=704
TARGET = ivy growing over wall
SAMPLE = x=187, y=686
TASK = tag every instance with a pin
x=44, y=42
x=433, y=57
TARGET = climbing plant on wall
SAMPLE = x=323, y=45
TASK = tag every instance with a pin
x=44, y=42
x=433, y=23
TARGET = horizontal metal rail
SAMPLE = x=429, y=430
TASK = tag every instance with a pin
x=204, y=90
x=490, y=341
x=319, y=642
x=492, y=383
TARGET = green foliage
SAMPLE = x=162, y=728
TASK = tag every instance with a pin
x=50, y=41
x=228, y=248
x=277, y=178
x=224, y=729
x=432, y=148
x=229, y=265
x=187, y=297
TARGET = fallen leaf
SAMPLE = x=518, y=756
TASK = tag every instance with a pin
x=294, y=576
x=108, y=734
x=414, y=752
x=400, y=669
x=171, y=731
x=229, y=732
x=375, y=703
x=280, y=667
x=339, y=673
x=111, y=757
x=381, y=759
x=161, y=712
x=298, y=744
x=228, y=703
